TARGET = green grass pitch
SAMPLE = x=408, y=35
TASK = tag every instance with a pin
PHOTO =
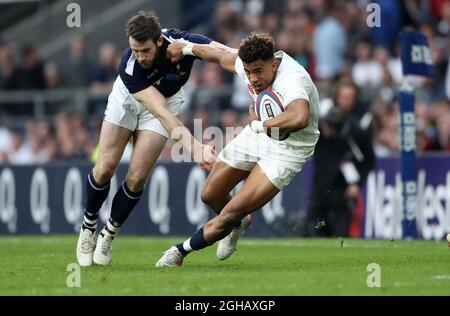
x=36, y=265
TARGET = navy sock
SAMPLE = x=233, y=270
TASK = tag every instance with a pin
x=181, y=249
x=196, y=242
x=95, y=196
x=123, y=203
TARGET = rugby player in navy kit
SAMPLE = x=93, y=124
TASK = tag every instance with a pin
x=145, y=99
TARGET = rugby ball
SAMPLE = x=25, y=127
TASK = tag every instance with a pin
x=269, y=104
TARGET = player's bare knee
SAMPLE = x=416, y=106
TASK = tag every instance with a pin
x=135, y=183
x=104, y=171
x=212, y=197
x=207, y=196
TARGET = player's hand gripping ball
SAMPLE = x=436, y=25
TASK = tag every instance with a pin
x=269, y=104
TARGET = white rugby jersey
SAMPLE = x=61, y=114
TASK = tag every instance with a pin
x=292, y=82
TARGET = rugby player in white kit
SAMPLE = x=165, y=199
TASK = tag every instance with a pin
x=267, y=164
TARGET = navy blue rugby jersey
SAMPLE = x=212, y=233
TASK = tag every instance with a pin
x=165, y=76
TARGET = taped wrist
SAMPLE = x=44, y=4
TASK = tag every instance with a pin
x=257, y=126
x=187, y=49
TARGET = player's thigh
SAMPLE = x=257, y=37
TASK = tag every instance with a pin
x=256, y=192
x=222, y=179
x=112, y=143
x=146, y=149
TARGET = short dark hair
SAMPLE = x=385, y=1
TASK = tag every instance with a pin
x=144, y=26
x=256, y=46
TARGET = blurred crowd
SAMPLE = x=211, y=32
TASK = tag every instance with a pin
x=354, y=66
x=62, y=135
x=66, y=137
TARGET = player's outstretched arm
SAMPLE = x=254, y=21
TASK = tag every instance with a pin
x=223, y=47
x=155, y=103
x=213, y=52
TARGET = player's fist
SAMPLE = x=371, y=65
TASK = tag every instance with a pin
x=174, y=51
x=205, y=157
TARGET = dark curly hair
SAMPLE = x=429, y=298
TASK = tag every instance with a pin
x=144, y=26
x=256, y=46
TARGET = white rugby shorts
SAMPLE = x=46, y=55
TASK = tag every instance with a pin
x=250, y=148
x=123, y=110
